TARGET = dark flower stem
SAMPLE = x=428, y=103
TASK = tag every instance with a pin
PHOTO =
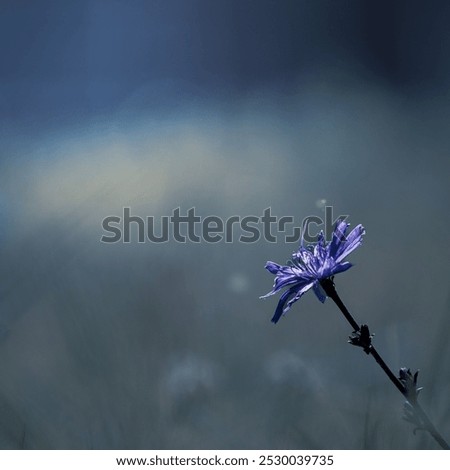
x=330, y=290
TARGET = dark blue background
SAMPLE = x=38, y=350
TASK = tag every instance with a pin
x=67, y=61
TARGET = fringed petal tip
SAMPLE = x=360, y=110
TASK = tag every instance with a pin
x=272, y=267
x=342, y=225
x=266, y=296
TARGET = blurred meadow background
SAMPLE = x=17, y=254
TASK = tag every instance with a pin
x=229, y=107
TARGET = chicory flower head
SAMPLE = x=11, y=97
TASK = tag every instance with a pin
x=312, y=263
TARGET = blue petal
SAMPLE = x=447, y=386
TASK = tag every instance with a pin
x=354, y=239
x=281, y=303
x=272, y=267
x=288, y=276
x=326, y=270
x=338, y=238
x=319, y=248
x=320, y=293
x=301, y=290
x=341, y=267
x=284, y=305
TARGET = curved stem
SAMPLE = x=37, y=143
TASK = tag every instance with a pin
x=330, y=290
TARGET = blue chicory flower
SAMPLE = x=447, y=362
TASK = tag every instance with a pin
x=311, y=264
